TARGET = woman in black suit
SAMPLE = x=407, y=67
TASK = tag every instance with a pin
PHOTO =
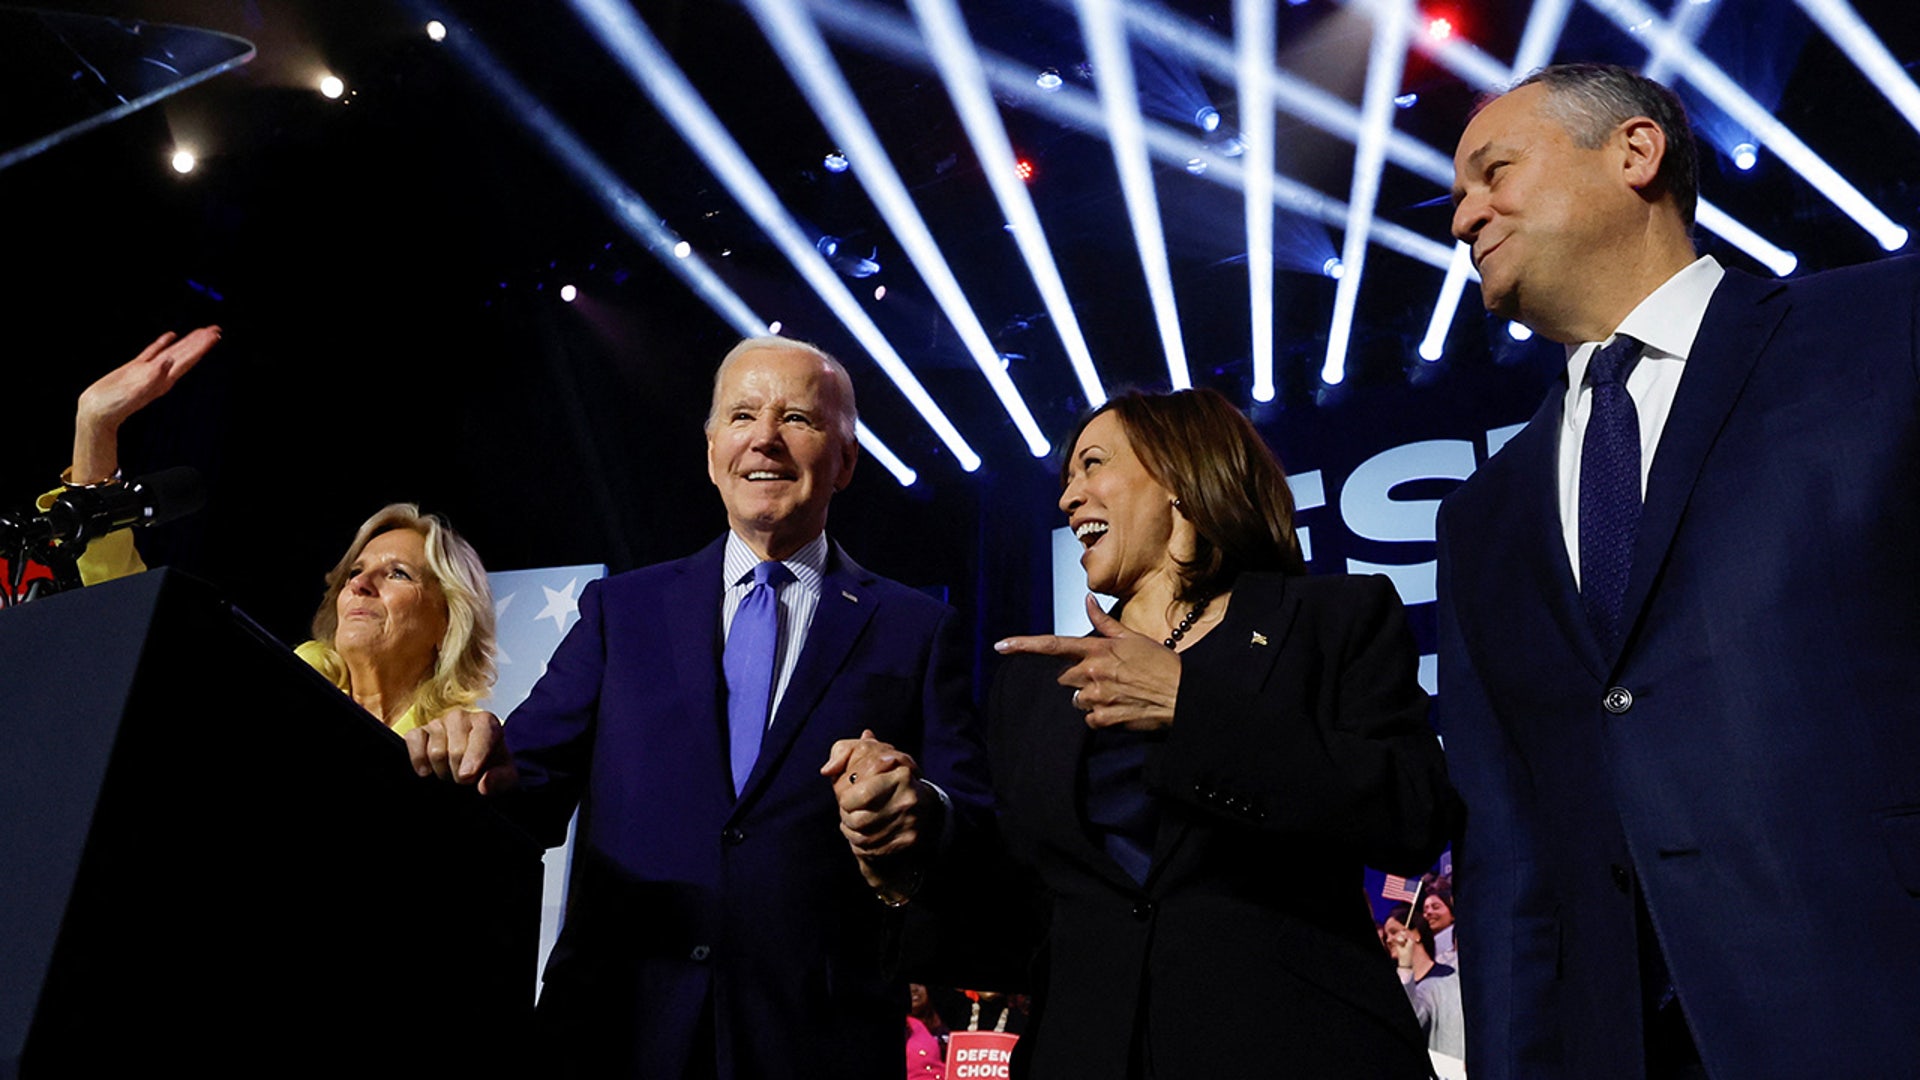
x=1197, y=784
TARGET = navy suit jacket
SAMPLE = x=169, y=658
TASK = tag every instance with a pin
x=1750, y=759
x=680, y=891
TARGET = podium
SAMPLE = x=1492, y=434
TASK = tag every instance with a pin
x=211, y=858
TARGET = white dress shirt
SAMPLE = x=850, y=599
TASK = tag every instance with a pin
x=799, y=599
x=1666, y=322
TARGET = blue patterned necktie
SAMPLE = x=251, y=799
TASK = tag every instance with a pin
x=752, y=645
x=1609, y=489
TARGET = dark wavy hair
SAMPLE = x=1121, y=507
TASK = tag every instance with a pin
x=1229, y=485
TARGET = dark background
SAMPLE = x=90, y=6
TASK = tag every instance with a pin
x=386, y=269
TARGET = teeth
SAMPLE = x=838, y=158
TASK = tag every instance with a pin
x=1089, y=528
x=762, y=474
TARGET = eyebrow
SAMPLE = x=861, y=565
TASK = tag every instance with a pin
x=1474, y=161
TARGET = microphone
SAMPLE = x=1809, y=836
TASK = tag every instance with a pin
x=79, y=515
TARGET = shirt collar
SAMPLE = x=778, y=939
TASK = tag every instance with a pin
x=809, y=564
x=1666, y=322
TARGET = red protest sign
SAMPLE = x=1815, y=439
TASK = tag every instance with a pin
x=979, y=1055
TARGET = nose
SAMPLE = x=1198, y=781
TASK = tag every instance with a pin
x=1070, y=498
x=1469, y=218
x=361, y=583
x=765, y=430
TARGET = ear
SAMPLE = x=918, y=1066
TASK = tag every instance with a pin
x=1643, y=147
x=849, y=457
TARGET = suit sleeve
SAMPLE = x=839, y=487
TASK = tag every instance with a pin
x=551, y=734
x=1335, y=745
x=952, y=755
x=1506, y=923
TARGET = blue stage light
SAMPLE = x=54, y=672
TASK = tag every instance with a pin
x=1207, y=117
x=1406, y=101
x=1519, y=331
x=1196, y=166
x=1746, y=156
x=1049, y=79
x=835, y=161
x=1334, y=268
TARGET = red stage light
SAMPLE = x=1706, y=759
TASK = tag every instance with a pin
x=1024, y=168
x=1439, y=28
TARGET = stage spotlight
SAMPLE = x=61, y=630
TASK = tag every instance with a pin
x=1745, y=156
x=828, y=245
x=1439, y=28
x=682, y=249
x=1406, y=101
x=879, y=292
x=1049, y=79
x=331, y=87
x=436, y=30
x=1334, y=268
x=1207, y=117
x=183, y=161
x=1519, y=331
x=1429, y=351
x=835, y=161
x=1196, y=166
x=1024, y=169
x=567, y=293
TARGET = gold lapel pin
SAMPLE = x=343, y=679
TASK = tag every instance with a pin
x=1259, y=638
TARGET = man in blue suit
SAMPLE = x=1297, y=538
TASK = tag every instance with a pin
x=717, y=925
x=1680, y=628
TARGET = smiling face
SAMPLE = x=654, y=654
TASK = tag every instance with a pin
x=1439, y=915
x=1124, y=520
x=778, y=446
x=1541, y=212
x=390, y=611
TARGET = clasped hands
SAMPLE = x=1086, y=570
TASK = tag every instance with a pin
x=1120, y=678
x=885, y=809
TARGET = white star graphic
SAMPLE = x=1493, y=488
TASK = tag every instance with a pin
x=560, y=604
x=500, y=608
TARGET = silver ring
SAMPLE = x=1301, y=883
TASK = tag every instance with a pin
x=853, y=778
x=1076, y=699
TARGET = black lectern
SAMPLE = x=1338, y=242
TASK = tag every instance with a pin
x=210, y=859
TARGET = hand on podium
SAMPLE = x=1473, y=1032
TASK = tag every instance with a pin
x=466, y=746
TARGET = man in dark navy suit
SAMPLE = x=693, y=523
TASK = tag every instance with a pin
x=1680, y=628
x=717, y=924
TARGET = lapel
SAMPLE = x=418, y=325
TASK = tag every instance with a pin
x=1740, y=321
x=847, y=604
x=694, y=596
x=1262, y=604
x=1516, y=552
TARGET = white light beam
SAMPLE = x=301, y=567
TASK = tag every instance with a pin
x=798, y=42
x=631, y=43
x=1106, y=38
x=1634, y=16
x=1253, y=28
x=1386, y=62
x=632, y=212
x=1868, y=53
x=952, y=51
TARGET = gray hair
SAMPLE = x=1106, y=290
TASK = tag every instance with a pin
x=844, y=416
x=1591, y=100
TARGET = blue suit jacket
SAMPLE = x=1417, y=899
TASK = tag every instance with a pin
x=679, y=890
x=1751, y=758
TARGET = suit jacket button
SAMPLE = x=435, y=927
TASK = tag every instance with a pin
x=733, y=836
x=1143, y=910
x=1618, y=700
x=699, y=953
x=1621, y=880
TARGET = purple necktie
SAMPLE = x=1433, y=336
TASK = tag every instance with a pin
x=752, y=645
x=1609, y=490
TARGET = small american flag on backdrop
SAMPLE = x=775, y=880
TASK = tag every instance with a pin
x=1397, y=888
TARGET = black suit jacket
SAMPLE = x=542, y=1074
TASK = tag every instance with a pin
x=1750, y=760
x=1299, y=751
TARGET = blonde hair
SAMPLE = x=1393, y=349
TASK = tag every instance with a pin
x=463, y=669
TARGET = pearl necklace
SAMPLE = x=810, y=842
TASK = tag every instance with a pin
x=1186, y=624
